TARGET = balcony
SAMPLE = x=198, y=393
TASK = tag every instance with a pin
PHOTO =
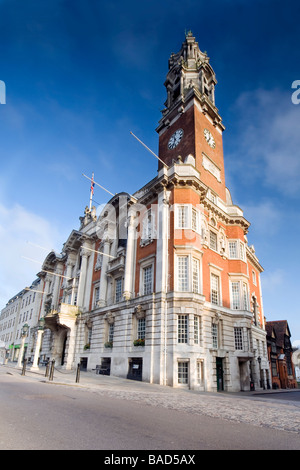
x=117, y=265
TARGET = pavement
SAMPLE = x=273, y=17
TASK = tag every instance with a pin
x=258, y=408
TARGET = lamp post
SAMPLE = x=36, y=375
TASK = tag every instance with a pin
x=260, y=377
x=24, y=336
x=40, y=332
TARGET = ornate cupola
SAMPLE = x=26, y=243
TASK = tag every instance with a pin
x=189, y=69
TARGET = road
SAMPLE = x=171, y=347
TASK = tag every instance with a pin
x=36, y=415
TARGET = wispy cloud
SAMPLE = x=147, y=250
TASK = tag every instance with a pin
x=23, y=234
x=268, y=143
x=264, y=216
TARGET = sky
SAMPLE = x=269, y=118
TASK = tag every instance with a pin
x=80, y=75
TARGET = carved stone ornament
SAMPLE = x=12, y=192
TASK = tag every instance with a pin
x=110, y=318
x=217, y=317
x=139, y=312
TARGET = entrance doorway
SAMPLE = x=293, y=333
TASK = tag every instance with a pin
x=135, y=368
x=220, y=374
x=64, y=350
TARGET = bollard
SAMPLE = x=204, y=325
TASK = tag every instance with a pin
x=24, y=367
x=51, y=370
x=77, y=373
x=47, y=369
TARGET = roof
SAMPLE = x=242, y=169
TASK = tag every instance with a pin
x=281, y=328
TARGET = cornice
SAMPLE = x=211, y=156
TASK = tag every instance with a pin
x=227, y=218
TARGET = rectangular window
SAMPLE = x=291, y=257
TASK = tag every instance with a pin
x=147, y=280
x=238, y=338
x=242, y=251
x=183, y=372
x=182, y=329
x=111, y=332
x=214, y=334
x=245, y=297
x=235, y=291
x=141, y=328
x=254, y=277
x=118, y=289
x=147, y=230
x=196, y=287
x=195, y=219
x=215, y=296
x=200, y=372
x=274, y=368
x=182, y=273
x=232, y=249
x=196, y=330
x=213, y=240
x=182, y=216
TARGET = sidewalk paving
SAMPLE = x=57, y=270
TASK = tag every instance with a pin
x=90, y=379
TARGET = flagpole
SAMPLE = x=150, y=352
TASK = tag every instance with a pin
x=92, y=191
x=98, y=185
x=149, y=149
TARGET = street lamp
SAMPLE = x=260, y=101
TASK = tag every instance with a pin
x=42, y=322
x=41, y=327
x=24, y=334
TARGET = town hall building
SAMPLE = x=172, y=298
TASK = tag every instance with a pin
x=162, y=286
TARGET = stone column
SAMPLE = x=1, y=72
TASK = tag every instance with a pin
x=57, y=283
x=21, y=353
x=162, y=242
x=69, y=362
x=82, y=278
x=103, y=276
x=46, y=290
x=128, y=278
x=37, y=350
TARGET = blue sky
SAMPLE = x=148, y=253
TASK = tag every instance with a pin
x=80, y=75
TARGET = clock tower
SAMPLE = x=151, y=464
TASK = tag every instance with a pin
x=191, y=124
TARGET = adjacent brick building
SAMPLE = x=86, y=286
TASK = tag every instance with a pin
x=280, y=354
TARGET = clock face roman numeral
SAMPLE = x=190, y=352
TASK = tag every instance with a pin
x=209, y=138
x=175, y=139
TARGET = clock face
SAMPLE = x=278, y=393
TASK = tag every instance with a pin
x=209, y=138
x=175, y=139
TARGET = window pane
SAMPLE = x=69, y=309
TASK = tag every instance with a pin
x=195, y=220
x=182, y=212
x=147, y=226
x=111, y=332
x=196, y=330
x=232, y=249
x=214, y=289
x=182, y=263
x=238, y=338
x=214, y=333
x=183, y=372
x=196, y=275
x=213, y=240
x=182, y=328
x=148, y=280
x=235, y=289
x=141, y=328
x=245, y=297
x=118, y=289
